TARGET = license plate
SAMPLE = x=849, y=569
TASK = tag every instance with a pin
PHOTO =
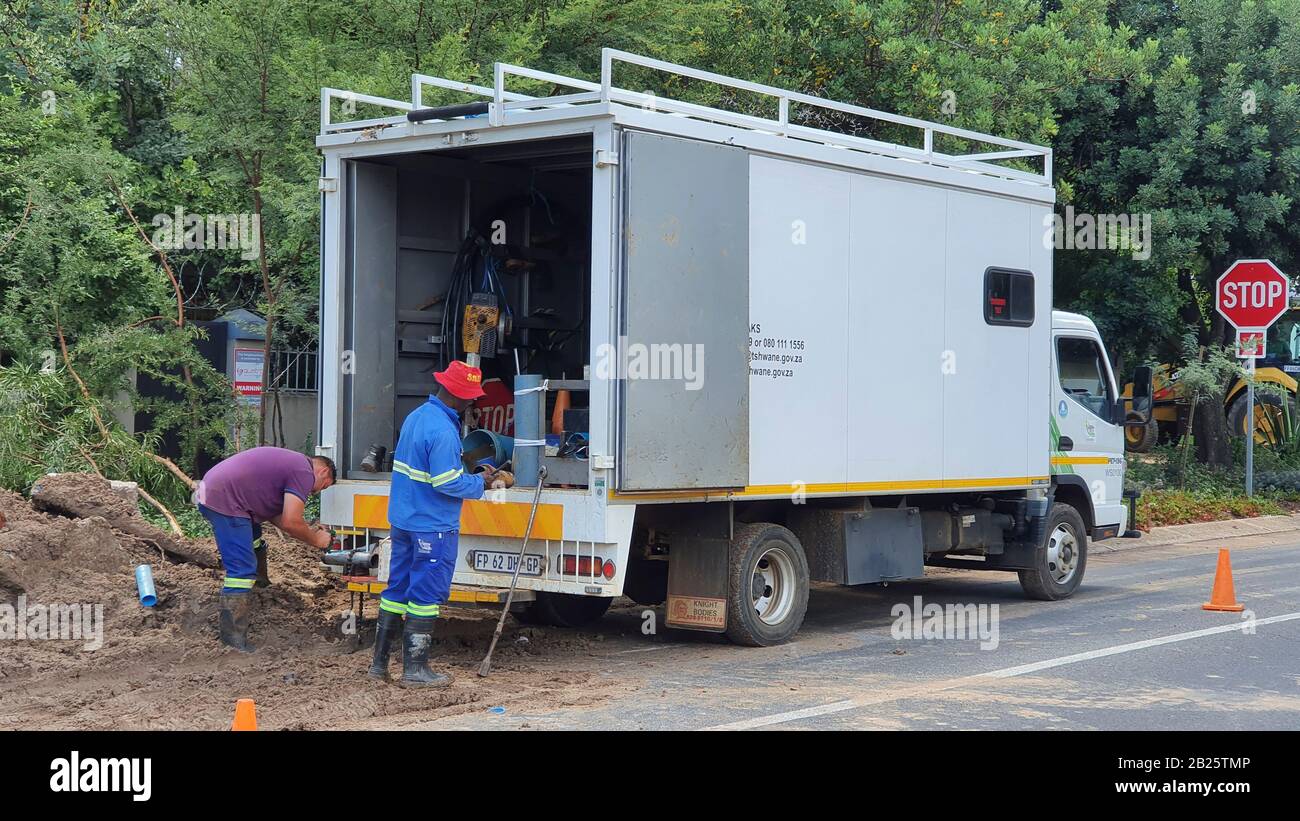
x=491, y=561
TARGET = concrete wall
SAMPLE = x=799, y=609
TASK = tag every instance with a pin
x=298, y=417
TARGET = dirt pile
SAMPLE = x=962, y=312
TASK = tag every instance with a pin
x=85, y=496
x=76, y=544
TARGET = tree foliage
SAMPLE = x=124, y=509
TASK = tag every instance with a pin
x=144, y=107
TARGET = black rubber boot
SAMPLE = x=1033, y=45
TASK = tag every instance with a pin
x=259, y=550
x=235, y=612
x=386, y=633
x=417, y=639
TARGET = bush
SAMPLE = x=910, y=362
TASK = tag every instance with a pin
x=1174, y=507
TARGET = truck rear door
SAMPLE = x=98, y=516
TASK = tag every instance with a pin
x=682, y=358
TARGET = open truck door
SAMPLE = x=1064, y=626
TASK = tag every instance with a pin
x=685, y=309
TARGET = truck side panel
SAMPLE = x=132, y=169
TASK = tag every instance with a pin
x=989, y=405
x=855, y=388
x=800, y=329
x=897, y=390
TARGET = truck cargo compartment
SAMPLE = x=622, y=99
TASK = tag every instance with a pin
x=522, y=213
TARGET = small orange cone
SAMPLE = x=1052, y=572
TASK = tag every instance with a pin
x=1223, y=597
x=245, y=715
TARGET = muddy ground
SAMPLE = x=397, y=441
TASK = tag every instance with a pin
x=75, y=542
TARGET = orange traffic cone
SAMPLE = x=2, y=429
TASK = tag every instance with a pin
x=1223, y=597
x=557, y=415
x=245, y=715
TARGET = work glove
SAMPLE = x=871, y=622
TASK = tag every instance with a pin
x=502, y=478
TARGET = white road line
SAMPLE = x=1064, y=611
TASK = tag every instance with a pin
x=793, y=715
x=1006, y=672
x=1021, y=670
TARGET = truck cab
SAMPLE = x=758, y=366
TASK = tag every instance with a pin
x=1087, y=427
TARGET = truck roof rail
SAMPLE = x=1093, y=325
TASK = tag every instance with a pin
x=505, y=106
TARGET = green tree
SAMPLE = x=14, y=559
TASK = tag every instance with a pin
x=1209, y=146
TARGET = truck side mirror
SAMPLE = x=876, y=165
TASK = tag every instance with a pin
x=1140, y=414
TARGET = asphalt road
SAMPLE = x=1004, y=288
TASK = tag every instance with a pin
x=1131, y=650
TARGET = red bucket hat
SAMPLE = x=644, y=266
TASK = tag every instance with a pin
x=461, y=381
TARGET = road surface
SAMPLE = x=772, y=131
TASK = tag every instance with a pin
x=1131, y=650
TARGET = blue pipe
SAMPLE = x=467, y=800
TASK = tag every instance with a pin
x=529, y=409
x=144, y=585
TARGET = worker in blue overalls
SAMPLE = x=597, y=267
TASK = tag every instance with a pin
x=429, y=486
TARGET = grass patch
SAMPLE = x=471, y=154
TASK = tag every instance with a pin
x=188, y=517
x=1158, y=508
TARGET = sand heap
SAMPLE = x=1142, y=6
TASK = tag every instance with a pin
x=77, y=543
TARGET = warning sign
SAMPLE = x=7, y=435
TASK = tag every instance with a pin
x=697, y=611
x=249, y=363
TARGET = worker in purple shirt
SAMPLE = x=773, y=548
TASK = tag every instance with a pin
x=240, y=493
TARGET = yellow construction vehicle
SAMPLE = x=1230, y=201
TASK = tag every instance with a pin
x=1274, y=411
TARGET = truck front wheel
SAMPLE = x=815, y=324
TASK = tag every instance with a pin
x=767, y=586
x=1061, y=559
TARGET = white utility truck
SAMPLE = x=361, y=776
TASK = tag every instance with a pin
x=780, y=353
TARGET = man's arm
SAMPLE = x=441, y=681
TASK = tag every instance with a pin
x=447, y=472
x=291, y=522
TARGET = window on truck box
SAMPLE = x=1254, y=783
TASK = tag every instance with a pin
x=1083, y=374
x=1008, y=297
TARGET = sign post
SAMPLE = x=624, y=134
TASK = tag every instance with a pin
x=1251, y=295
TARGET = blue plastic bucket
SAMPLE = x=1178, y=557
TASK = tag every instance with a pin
x=483, y=447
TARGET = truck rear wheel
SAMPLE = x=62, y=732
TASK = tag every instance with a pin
x=767, y=585
x=1061, y=559
x=565, y=610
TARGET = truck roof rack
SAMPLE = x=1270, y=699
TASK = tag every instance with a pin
x=506, y=106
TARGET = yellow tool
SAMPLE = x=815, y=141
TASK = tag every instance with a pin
x=478, y=334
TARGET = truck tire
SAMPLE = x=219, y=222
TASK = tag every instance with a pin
x=767, y=585
x=565, y=610
x=1140, y=439
x=1061, y=559
x=1271, y=417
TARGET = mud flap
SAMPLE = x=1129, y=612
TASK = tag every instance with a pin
x=697, y=568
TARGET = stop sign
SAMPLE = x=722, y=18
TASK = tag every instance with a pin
x=1252, y=293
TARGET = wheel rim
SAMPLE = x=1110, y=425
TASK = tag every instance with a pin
x=1270, y=424
x=1062, y=554
x=772, y=586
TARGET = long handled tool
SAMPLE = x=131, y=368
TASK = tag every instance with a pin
x=486, y=666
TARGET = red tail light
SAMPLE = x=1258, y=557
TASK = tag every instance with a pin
x=588, y=566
